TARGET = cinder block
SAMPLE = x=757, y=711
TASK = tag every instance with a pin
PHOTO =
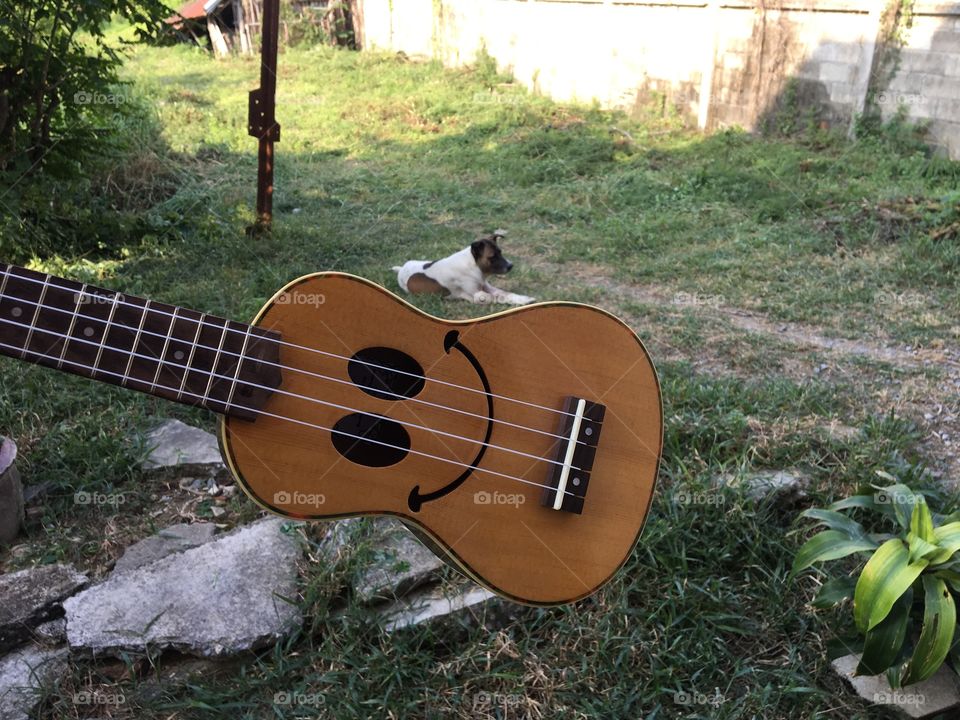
x=835, y=72
x=912, y=61
x=945, y=40
x=934, y=86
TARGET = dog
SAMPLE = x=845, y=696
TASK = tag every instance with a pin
x=463, y=275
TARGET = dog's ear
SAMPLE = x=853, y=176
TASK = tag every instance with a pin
x=498, y=234
x=476, y=248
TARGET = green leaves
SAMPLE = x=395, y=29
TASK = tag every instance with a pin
x=882, y=644
x=884, y=578
x=829, y=545
x=939, y=625
x=883, y=593
x=834, y=592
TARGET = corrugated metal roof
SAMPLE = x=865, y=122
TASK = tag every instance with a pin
x=191, y=11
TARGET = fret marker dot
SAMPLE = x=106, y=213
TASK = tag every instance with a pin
x=576, y=481
x=16, y=312
x=178, y=355
x=588, y=432
x=88, y=332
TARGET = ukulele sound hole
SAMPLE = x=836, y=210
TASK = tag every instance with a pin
x=370, y=440
x=386, y=373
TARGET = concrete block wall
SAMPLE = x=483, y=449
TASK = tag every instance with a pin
x=718, y=63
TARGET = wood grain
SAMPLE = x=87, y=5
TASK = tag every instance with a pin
x=539, y=354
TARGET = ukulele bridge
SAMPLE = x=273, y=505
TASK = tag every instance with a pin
x=580, y=426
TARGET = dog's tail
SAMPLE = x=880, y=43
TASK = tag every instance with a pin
x=396, y=268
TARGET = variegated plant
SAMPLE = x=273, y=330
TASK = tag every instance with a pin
x=918, y=563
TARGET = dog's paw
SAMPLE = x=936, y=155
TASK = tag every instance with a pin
x=523, y=300
x=482, y=297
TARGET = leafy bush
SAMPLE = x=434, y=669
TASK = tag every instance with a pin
x=56, y=69
x=909, y=580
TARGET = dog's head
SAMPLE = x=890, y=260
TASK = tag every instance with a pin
x=486, y=251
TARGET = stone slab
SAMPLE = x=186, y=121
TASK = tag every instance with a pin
x=229, y=595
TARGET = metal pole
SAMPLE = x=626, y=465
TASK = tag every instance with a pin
x=262, y=122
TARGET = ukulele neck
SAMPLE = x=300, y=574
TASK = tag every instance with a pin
x=163, y=350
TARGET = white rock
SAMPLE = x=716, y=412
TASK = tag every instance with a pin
x=176, y=445
x=31, y=597
x=431, y=605
x=168, y=541
x=920, y=700
x=23, y=675
x=401, y=562
x=231, y=594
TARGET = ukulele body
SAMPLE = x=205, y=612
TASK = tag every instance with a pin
x=446, y=445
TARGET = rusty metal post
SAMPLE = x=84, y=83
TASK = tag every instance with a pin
x=262, y=122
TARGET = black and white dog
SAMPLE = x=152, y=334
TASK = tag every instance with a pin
x=463, y=275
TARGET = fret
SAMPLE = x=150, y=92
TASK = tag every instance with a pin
x=90, y=330
x=236, y=374
x=216, y=362
x=163, y=353
x=54, y=314
x=36, y=315
x=7, y=269
x=80, y=299
x=136, y=341
x=16, y=306
x=193, y=352
x=106, y=329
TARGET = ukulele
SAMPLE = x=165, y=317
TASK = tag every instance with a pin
x=523, y=446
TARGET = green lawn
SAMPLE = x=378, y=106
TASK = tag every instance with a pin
x=382, y=160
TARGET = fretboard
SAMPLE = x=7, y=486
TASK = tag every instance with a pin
x=164, y=350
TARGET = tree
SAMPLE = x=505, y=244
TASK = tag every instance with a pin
x=56, y=65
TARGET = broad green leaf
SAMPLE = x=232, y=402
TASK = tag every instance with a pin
x=855, y=501
x=828, y=545
x=866, y=502
x=882, y=644
x=834, y=592
x=948, y=538
x=902, y=499
x=835, y=521
x=920, y=548
x=885, y=577
x=951, y=577
x=921, y=523
x=939, y=625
